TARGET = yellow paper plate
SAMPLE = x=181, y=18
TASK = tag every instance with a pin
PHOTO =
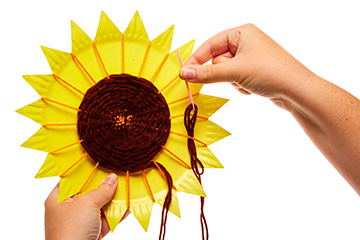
x=113, y=52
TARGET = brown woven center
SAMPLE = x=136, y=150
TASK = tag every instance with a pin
x=123, y=122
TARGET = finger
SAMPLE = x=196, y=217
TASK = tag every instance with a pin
x=72, y=198
x=222, y=58
x=105, y=228
x=53, y=196
x=221, y=72
x=220, y=43
x=103, y=194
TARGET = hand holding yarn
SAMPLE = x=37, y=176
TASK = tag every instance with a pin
x=245, y=57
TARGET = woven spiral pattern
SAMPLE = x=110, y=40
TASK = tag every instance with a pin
x=123, y=122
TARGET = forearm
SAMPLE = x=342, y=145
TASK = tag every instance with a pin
x=330, y=116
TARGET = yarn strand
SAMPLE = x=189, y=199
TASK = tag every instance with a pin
x=167, y=200
x=101, y=61
x=82, y=67
x=182, y=99
x=189, y=121
x=68, y=84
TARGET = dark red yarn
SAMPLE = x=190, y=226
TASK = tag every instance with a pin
x=189, y=122
x=167, y=202
x=123, y=122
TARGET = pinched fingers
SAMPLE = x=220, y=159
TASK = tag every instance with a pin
x=224, y=42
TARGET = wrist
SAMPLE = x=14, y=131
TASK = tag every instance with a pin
x=296, y=89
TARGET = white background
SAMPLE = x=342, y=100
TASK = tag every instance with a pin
x=275, y=185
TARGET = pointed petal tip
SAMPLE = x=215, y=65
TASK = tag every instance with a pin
x=47, y=50
x=21, y=111
x=40, y=175
x=104, y=15
x=43, y=48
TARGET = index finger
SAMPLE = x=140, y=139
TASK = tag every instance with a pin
x=219, y=44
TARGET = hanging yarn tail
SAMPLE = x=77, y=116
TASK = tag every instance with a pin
x=167, y=200
x=189, y=121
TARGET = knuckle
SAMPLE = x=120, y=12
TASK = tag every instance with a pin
x=249, y=25
x=206, y=74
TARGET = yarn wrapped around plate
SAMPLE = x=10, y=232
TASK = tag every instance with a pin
x=124, y=122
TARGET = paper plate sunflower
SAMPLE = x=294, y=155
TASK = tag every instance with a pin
x=117, y=104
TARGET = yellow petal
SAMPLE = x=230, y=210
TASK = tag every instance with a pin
x=63, y=65
x=38, y=141
x=72, y=182
x=207, y=158
x=49, y=168
x=82, y=47
x=170, y=69
x=114, y=211
x=174, y=206
x=79, y=39
x=34, y=111
x=108, y=42
x=142, y=208
x=159, y=189
x=188, y=183
x=207, y=105
x=56, y=59
x=68, y=188
x=209, y=132
x=179, y=143
x=43, y=113
x=53, y=140
x=136, y=44
x=183, y=178
x=63, y=162
x=49, y=86
x=41, y=83
x=107, y=30
x=157, y=54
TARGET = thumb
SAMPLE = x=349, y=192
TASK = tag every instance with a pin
x=106, y=190
x=220, y=72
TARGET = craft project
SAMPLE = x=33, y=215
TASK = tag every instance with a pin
x=117, y=104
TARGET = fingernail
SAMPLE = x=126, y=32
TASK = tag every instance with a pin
x=111, y=179
x=187, y=73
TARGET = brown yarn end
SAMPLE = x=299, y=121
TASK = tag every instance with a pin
x=123, y=122
x=167, y=201
x=189, y=121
